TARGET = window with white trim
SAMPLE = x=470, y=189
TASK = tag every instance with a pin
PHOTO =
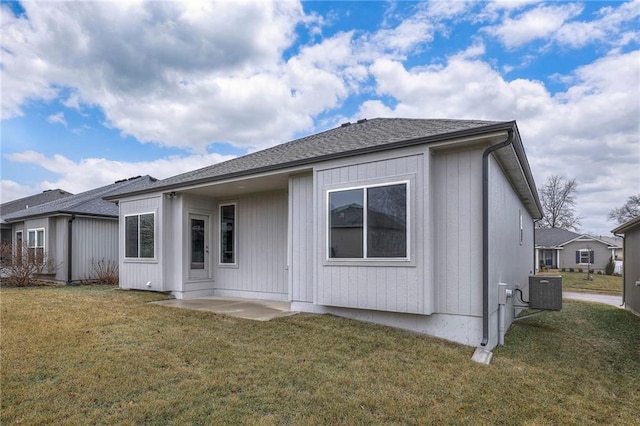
x=139, y=236
x=584, y=256
x=369, y=222
x=228, y=234
x=35, y=244
x=521, y=228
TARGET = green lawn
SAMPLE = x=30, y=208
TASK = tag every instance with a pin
x=98, y=355
x=577, y=281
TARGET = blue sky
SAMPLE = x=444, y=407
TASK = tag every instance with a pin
x=93, y=92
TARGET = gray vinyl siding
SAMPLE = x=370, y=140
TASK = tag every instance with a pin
x=632, y=269
x=135, y=273
x=377, y=285
x=511, y=262
x=301, y=238
x=172, y=229
x=457, y=207
x=94, y=240
x=261, y=251
x=601, y=254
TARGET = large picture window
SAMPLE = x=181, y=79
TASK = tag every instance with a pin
x=369, y=222
x=139, y=236
x=228, y=234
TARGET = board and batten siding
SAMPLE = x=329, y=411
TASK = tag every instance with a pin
x=632, y=269
x=136, y=273
x=457, y=209
x=373, y=285
x=511, y=261
x=94, y=240
x=301, y=238
x=261, y=250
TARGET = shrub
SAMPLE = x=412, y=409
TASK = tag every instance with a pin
x=104, y=271
x=564, y=270
x=611, y=266
x=25, y=263
x=580, y=270
x=571, y=270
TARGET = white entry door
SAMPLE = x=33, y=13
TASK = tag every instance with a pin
x=198, y=246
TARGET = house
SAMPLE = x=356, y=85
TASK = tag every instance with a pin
x=617, y=245
x=386, y=220
x=558, y=248
x=72, y=230
x=24, y=203
x=631, y=272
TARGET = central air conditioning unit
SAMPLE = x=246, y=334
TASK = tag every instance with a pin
x=545, y=292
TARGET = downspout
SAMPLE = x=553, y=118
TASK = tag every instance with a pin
x=624, y=256
x=485, y=234
x=70, y=248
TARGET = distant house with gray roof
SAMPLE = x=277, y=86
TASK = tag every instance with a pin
x=72, y=230
x=24, y=203
x=558, y=248
x=386, y=220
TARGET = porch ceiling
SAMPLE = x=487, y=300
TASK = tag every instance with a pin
x=237, y=187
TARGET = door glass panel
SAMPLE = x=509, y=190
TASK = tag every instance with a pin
x=197, y=244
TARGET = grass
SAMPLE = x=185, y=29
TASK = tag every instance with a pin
x=98, y=355
x=576, y=281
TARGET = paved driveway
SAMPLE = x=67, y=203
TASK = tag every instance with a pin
x=609, y=299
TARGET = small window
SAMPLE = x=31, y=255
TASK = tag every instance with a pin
x=584, y=257
x=228, y=234
x=521, y=228
x=139, y=236
x=35, y=244
x=368, y=222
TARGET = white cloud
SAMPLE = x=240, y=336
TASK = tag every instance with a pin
x=616, y=26
x=537, y=23
x=57, y=118
x=177, y=74
x=11, y=190
x=589, y=132
x=89, y=173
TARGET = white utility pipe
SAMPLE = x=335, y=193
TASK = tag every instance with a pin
x=503, y=295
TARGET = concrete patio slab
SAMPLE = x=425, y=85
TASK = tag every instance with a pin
x=258, y=310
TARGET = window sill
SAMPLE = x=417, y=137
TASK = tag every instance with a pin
x=139, y=260
x=401, y=263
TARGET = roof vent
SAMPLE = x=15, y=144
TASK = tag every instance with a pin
x=362, y=120
x=345, y=124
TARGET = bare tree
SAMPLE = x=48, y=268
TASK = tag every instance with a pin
x=22, y=264
x=628, y=211
x=558, y=198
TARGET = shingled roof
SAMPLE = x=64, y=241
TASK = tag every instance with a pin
x=88, y=203
x=554, y=237
x=349, y=139
x=32, y=201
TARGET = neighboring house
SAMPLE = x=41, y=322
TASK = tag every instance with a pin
x=73, y=230
x=617, y=244
x=558, y=248
x=24, y=203
x=385, y=220
x=631, y=272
